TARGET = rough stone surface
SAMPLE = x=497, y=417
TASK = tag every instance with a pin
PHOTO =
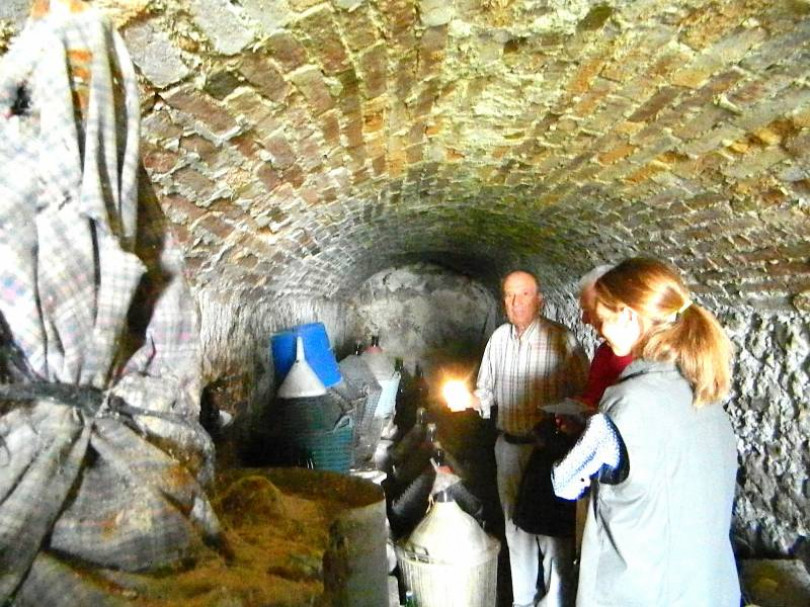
x=154, y=53
x=349, y=137
x=12, y=17
x=271, y=14
x=771, y=414
x=14, y=10
x=425, y=314
x=220, y=21
x=237, y=329
x=436, y=12
x=775, y=582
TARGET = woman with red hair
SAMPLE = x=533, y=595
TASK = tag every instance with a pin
x=661, y=454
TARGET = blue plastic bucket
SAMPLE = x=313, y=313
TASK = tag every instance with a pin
x=317, y=352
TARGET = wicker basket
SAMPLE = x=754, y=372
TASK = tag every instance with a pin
x=352, y=401
x=308, y=414
x=472, y=583
x=330, y=449
x=357, y=372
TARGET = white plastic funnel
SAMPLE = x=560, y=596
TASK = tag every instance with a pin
x=301, y=380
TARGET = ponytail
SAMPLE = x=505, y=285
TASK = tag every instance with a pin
x=677, y=330
x=696, y=343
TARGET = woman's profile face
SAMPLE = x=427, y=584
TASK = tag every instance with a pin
x=621, y=329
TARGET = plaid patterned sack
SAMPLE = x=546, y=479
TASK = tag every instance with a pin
x=102, y=460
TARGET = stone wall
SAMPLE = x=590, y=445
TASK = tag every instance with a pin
x=427, y=315
x=236, y=331
x=770, y=409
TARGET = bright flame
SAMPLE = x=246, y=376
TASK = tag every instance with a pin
x=457, y=395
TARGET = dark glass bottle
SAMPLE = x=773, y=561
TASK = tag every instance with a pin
x=405, y=406
x=420, y=386
x=410, y=442
x=410, y=599
x=430, y=433
x=374, y=346
x=438, y=456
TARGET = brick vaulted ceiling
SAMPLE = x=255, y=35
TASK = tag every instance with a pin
x=301, y=146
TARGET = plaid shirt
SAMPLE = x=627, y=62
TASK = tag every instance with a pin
x=520, y=374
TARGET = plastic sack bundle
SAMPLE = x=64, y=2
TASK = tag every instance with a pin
x=103, y=463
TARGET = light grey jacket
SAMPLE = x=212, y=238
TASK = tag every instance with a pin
x=660, y=538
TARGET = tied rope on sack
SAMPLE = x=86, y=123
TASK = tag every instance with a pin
x=102, y=460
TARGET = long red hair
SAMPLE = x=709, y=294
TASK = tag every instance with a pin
x=675, y=328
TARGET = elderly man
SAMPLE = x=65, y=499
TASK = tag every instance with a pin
x=529, y=362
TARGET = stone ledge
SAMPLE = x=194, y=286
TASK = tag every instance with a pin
x=774, y=583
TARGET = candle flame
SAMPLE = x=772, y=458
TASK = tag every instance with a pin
x=457, y=395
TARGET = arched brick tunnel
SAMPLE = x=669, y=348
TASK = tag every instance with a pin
x=299, y=148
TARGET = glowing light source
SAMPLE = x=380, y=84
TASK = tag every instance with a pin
x=457, y=395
